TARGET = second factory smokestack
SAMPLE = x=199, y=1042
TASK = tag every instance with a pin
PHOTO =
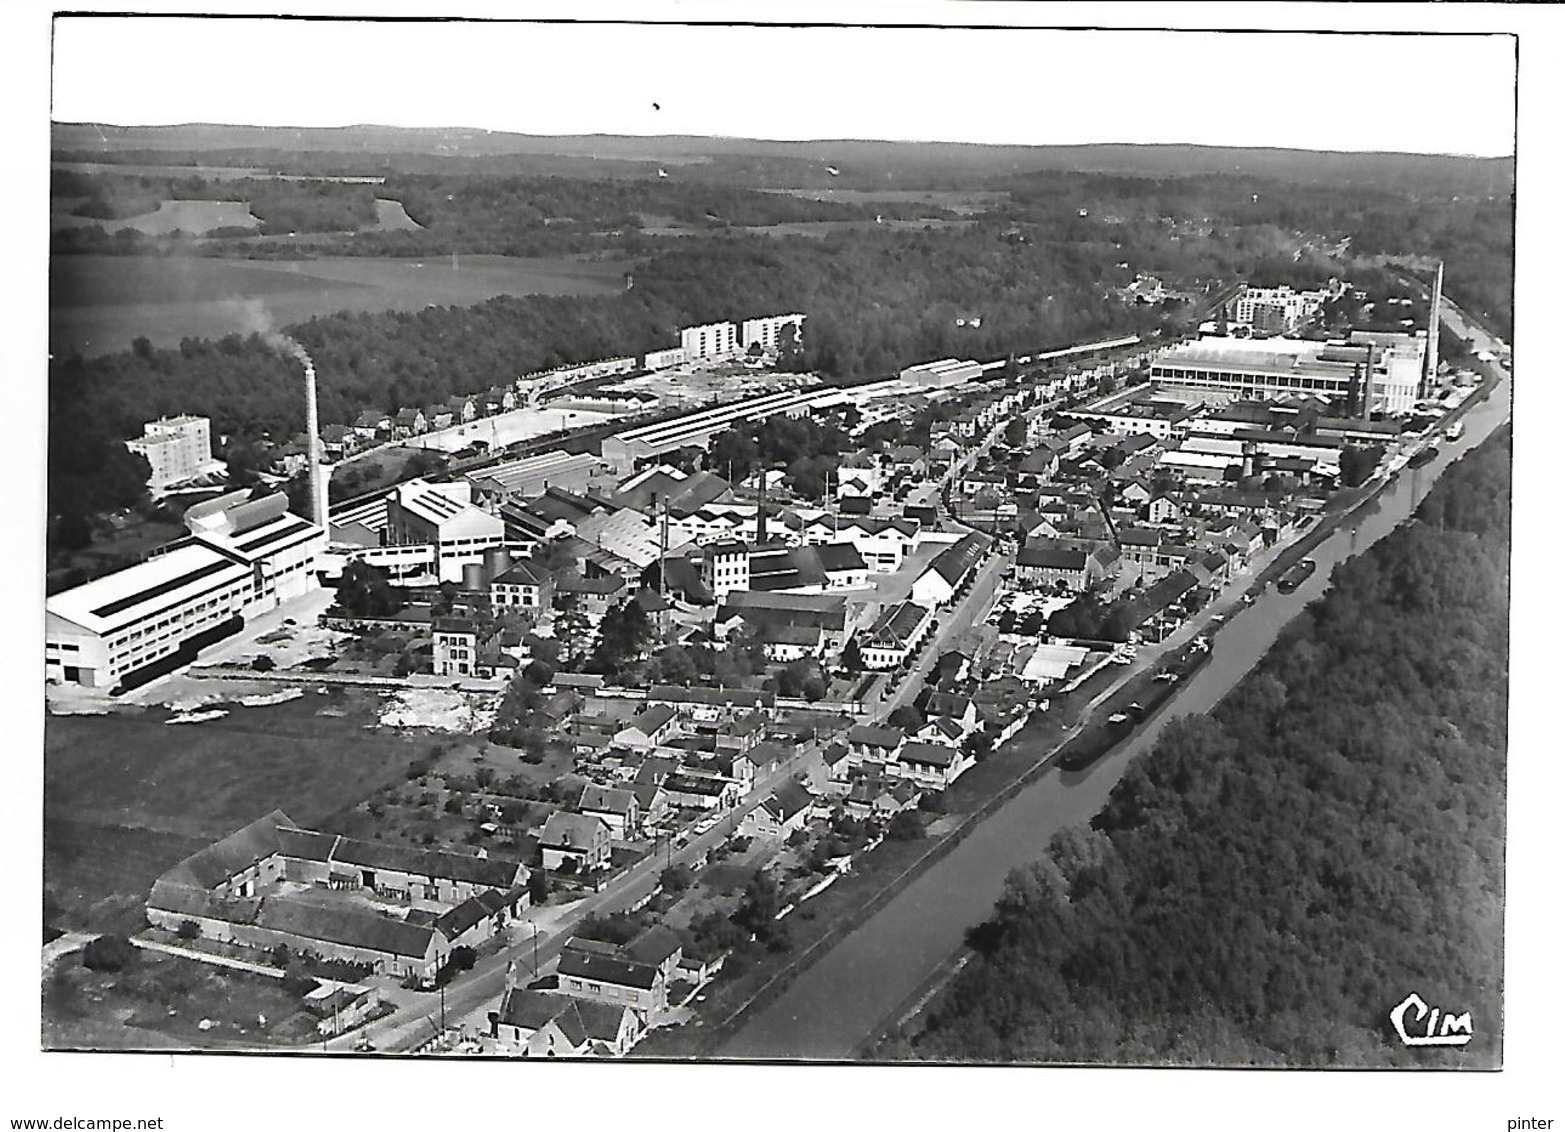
x=1432, y=345
x=320, y=510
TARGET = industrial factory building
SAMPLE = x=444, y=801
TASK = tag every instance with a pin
x=624, y=450
x=420, y=513
x=533, y=475
x=240, y=559
x=1270, y=368
x=947, y=371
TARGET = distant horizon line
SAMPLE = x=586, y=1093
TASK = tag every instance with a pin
x=1511, y=156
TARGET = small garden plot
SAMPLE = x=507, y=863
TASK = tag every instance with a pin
x=199, y=1004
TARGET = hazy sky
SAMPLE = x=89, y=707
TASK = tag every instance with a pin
x=1350, y=92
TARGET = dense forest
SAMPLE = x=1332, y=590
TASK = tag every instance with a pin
x=1273, y=878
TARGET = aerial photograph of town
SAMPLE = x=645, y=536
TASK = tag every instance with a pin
x=623, y=579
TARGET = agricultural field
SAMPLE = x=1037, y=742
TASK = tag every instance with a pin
x=99, y=303
x=197, y=217
x=390, y=216
x=963, y=203
x=817, y=229
x=126, y=796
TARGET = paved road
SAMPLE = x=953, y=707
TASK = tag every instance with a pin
x=950, y=624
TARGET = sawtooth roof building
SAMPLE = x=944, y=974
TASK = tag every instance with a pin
x=1271, y=368
x=241, y=558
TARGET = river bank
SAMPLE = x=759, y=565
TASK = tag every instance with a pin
x=902, y=1020
x=838, y=995
x=1019, y=763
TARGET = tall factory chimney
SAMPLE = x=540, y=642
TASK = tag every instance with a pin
x=1432, y=347
x=760, y=508
x=1368, y=387
x=312, y=430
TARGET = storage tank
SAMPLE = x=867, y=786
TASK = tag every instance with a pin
x=473, y=576
x=497, y=560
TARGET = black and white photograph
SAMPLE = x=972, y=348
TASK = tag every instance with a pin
x=896, y=538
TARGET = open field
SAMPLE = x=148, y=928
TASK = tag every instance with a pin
x=964, y=203
x=210, y=172
x=161, y=1001
x=194, y=216
x=818, y=229
x=390, y=216
x=126, y=796
x=505, y=429
x=99, y=303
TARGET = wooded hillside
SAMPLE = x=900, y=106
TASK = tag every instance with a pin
x=1272, y=879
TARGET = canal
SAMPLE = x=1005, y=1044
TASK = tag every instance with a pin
x=831, y=1007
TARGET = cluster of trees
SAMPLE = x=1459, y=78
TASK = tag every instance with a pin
x=803, y=678
x=807, y=449
x=1267, y=884
x=623, y=636
x=516, y=721
x=1360, y=462
x=91, y=472
x=366, y=591
x=1090, y=619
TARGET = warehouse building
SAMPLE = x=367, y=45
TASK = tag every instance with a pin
x=240, y=559
x=533, y=475
x=947, y=371
x=443, y=516
x=624, y=450
x=1272, y=368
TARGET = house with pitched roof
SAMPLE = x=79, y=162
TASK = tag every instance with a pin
x=606, y=973
x=836, y=765
x=658, y=947
x=881, y=796
x=243, y=889
x=949, y=570
x=896, y=634
x=525, y=586
x=867, y=744
x=932, y=766
x=409, y=422
x=582, y=839
x=652, y=726
x=780, y=813
x=843, y=565
x=616, y=807
x=537, y=1023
